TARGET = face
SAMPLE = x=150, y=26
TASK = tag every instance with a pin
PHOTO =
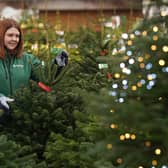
x=11, y=39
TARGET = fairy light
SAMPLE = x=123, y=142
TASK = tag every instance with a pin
x=154, y=162
x=129, y=53
x=131, y=61
x=113, y=126
x=137, y=33
x=148, y=66
x=142, y=65
x=119, y=160
x=140, y=59
x=133, y=136
x=142, y=81
x=127, y=135
x=155, y=28
x=165, y=69
x=162, y=62
x=149, y=77
x=164, y=166
x=165, y=48
x=124, y=36
x=144, y=33
x=155, y=37
x=117, y=75
x=132, y=36
x=124, y=82
x=157, y=151
x=153, y=47
x=129, y=42
x=122, y=65
x=134, y=88
x=115, y=85
x=139, y=84
x=121, y=100
x=122, y=137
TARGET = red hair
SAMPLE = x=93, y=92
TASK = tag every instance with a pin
x=5, y=24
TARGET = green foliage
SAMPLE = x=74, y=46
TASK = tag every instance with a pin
x=10, y=155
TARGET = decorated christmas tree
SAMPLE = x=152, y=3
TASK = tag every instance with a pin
x=133, y=109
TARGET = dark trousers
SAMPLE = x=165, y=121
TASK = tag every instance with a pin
x=5, y=114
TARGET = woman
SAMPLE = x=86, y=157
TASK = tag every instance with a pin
x=16, y=66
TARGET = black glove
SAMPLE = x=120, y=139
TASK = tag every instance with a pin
x=61, y=59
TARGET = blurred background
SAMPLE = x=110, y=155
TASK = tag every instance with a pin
x=74, y=13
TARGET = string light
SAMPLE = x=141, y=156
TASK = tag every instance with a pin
x=129, y=42
x=144, y=33
x=155, y=37
x=131, y=61
x=115, y=85
x=153, y=47
x=142, y=65
x=139, y=84
x=122, y=137
x=133, y=136
x=137, y=33
x=117, y=75
x=127, y=135
x=119, y=160
x=154, y=162
x=124, y=82
x=140, y=59
x=113, y=126
x=122, y=65
x=133, y=88
x=132, y=36
x=155, y=28
x=124, y=36
x=157, y=151
x=165, y=48
x=162, y=62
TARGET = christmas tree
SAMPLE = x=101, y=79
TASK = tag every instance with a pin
x=133, y=110
x=55, y=128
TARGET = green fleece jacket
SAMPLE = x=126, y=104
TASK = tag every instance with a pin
x=17, y=72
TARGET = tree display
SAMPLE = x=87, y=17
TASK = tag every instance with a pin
x=53, y=128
